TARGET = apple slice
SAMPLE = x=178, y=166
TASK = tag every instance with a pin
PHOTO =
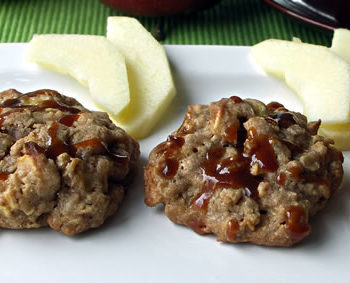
x=319, y=77
x=339, y=133
x=341, y=43
x=151, y=83
x=92, y=60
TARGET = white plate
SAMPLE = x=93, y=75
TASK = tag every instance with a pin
x=140, y=244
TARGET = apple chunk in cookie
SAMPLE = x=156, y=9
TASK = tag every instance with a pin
x=244, y=171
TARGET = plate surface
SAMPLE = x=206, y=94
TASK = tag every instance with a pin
x=139, y=244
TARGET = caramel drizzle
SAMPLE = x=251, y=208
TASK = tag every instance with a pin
x=54, y=146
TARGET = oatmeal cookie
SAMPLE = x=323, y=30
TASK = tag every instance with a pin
x=245, y=171
x=60, y=164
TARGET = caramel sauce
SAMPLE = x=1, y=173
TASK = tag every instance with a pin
x=262, y=151
x=10, y=103
x=4, y=176
x=170, y=168
x=232, y=229
x=197, y=225
x=185, y=129
x=281, y=179
x=296, y=221
x=230, y=172
x=295, y=172
x=284, y=120
x=231, y=132
x=69, y=120
x=18, y=105
x=170, y=147
x=272, y=106
x=55, y=146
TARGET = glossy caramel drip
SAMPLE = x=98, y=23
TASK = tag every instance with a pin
x=284, y=120
x=231, y=132
x=94, y=143
x=10, y=103
x=185, y=127
x=4, y=176
x=232, y=229
x=281, y=179
x=170, y=168
x=18, y=105
x=169, y=149
x=175, y=141
x=55, y=146
x=197, y=225
x=262, y=151
x=231, y=172
x=69, y=120
x=291, y=172
x=296, y=222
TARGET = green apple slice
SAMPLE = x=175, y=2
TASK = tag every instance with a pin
x=319, y=77
x=341, y=43
x=92, y=60
x=150, y=79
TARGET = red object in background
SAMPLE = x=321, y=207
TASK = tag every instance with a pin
x=158, y=7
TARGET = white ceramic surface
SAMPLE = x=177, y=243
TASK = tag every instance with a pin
x=139, y=244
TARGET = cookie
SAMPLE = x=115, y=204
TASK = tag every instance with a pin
x=60, y=164
x=244, y=171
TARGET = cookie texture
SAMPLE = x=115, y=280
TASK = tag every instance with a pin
x=245, y=171
x=60, y=164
